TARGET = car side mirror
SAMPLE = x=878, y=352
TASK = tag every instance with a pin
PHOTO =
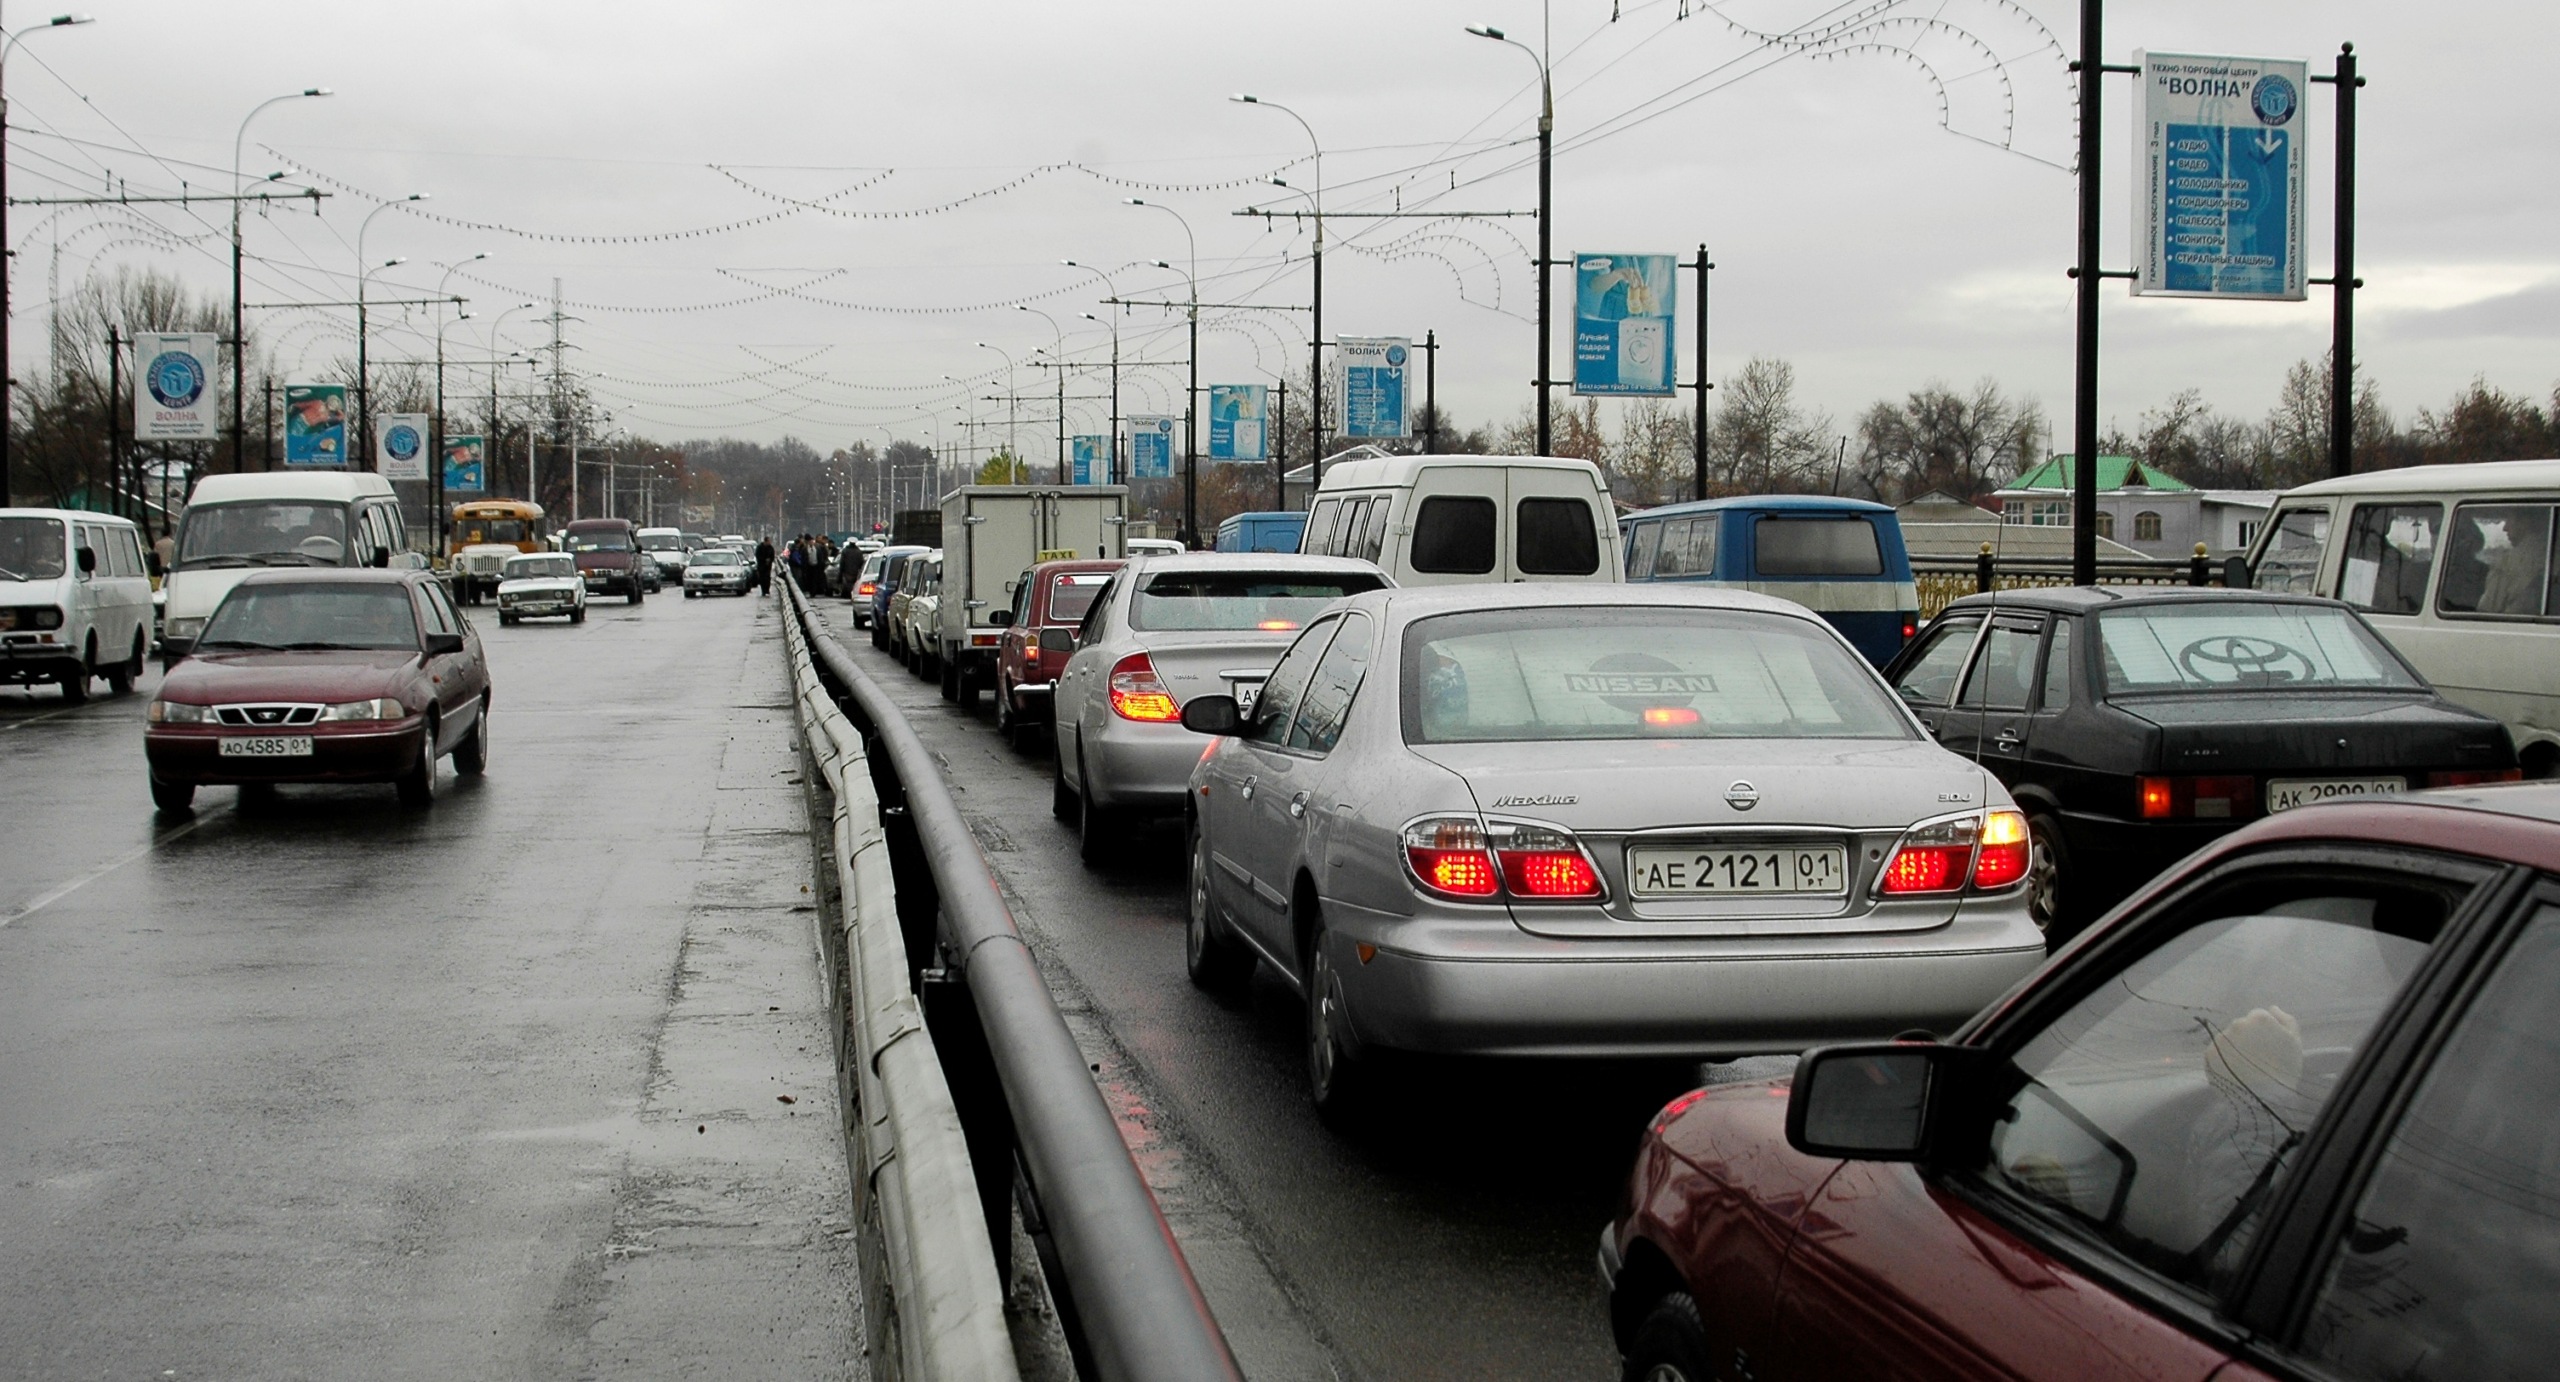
x=1057, y=640
x=381, y=558
x=1212, y=715
x=2236, y=574
x=88, y=561
x=1002, y=619
x=175, y=649
x=1885, y=1101
x=440, y=644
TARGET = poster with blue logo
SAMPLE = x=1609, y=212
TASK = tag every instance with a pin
x=400, y=446
x=1369, y=378
x=1093, y=460
x=1623, y=343
x=1151, y=448
x=466, y=468
x=315, y=424
x=2221, y=149
x=1237, y=413
x=177, y=400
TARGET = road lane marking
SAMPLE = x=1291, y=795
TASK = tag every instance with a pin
x=65, y=890
x=36, y=719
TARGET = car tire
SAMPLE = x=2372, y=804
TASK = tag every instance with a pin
x=505, y=619
x=471, y=756
x=690, y=592
x=418, y=785
x=1063, y=800
x=75, y=685
x=1338, y=1081
x=122, y=676
x=1670, y=1345
x=879, y=636
x=578, y=615
x=1211, y=955
x=1098, y=839
x=635, y=596
x=2047, y=861
x=172, y=797
x=951, y=677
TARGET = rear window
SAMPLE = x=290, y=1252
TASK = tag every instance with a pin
x=607, y=540
x=1275, y=600
x=1453, y=535
x=2236, y=646
x=1558, y=538
x=1561, y=673
x=1072, y=594
x=1818, y=547
x=548, y=564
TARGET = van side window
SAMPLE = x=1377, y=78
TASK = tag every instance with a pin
x=1642, y=541
x=2391, y=551
x=2291, y=561
x=1346, y=532
x=1817, y=547
x=1374, y=541
x=1678, y=555
x=127, y=551
x=1320, y=527
x=1453, y=535
x=1556, y=537
x=2497, y=562
x=85, y=539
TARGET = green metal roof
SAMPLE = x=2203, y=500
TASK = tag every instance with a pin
x=2114, y=472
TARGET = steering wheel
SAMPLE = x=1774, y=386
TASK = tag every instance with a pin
x=2243, y=657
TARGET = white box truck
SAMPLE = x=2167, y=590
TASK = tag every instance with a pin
x=991, y=534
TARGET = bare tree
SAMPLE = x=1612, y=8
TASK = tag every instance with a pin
x=1763, y=440
x=2485, y=424
x=1963, y=444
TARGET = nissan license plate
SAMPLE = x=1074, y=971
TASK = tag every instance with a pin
x=2286, y=793
x=268, y=746
x=1653, y=871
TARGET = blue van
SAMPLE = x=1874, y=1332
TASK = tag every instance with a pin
x=1269, y=531
x=1841, y=558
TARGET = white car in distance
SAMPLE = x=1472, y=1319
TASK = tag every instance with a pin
x=719, y=571
x=540, y=585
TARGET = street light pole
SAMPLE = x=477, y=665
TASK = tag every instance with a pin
x=497, y=439
x=1546, y=217
x=239, y=329
x=364, y=377
x=1315, y=346
x=8, y=413
x=1059, y=357
x=1012, y=438
x=1191, y=400
x=1111, y=472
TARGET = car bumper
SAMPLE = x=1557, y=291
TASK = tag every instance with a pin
x=536, y=609
x=1136, y=766
x=26, y=657
x=618, y=582
x=194, y=756
x=1484, y=987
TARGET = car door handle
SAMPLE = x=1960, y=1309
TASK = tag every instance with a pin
x=2005, y=739
x=1247, y=790
x=1298, y=804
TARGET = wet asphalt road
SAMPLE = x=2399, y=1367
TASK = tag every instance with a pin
x=1455, y=1238
x=533, y=1083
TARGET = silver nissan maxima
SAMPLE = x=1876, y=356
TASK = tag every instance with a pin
x=1586, y=820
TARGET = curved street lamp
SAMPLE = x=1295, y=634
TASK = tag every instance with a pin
x=364, y=377
x=239, y=328
x=1191, y=396
x=1315, y=348
x=1546, y=219
x=1111, y=472
x=8, y=46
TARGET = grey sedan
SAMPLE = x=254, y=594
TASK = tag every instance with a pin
x=1531, y=820
x=1166, y=629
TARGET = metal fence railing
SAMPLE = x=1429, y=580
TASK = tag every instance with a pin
x=1945, y=579
x=1039, y=1135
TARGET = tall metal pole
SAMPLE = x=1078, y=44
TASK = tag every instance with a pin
x=364, y=377
x=8, y=414
x=1698, y=447
x=1546, y=252
x=115, y=396
x=1280, y=447
x=239, y=329
x=1315, y=345
x=1431, y=392
x=2342, y=292
x=2084, y=403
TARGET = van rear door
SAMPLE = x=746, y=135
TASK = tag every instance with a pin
x=1560, y=528
x=1452, y=529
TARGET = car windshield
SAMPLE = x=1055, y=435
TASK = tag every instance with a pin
x=525, y=568
x=603, y=541
x=1273, y=600
x=263, y=533
x=311, y=617
x=506, y=530
x=31, y=549
x=2227, y=645
x=1556, y=673
x=661, y=542
x=1072, y=594
x=719, y=556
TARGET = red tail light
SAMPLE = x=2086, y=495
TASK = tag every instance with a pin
x=2005, y=847
x=1986, y=852
x=1448, y=857
x=2474, y=779
x=1909, y=627
x=867, y=588
x=1548, y=864
x=2197, y=798
x=1136, y=693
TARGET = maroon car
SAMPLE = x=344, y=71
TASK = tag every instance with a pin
x=2287, y=1113
x=1051, y=596
x=609, y=557
x=313, y=675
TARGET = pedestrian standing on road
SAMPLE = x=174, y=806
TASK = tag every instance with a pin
x=764, y=567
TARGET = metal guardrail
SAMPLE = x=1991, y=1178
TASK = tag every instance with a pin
x=934, y=1303
x=1943, y=580
x=1126, y=1298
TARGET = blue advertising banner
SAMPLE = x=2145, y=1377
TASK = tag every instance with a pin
x=1237, y=416
x=1151, y=448
x=2221, y=150
x=464, y=468
x=1092, y=460
x=1369, y=378
x=400, y=446
x=1622, y=338
x=315, y=424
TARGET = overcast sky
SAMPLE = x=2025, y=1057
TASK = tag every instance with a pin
x=1879, y=220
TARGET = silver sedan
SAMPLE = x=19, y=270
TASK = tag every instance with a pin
x=1584, y=820
x=1166, y=629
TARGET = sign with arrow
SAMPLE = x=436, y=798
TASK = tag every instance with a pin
x=2221, y=148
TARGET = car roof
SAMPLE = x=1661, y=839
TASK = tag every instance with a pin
x=577, y=523
x=1071, y=567
x=1418, y=602
x=338, y=575
x=290, y=484
x=1250, y=561
x=1373, y=472
x=67, y=515
x=2079, y=598
x=1803, y=503
x=2439, y=480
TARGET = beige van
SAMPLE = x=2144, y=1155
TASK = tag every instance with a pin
x=1449, y=520
x=75, y=600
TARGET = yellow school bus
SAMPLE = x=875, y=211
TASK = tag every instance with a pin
x=487, y=524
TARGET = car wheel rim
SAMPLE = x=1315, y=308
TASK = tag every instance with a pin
x=2043, y=880
x=1195, y=936
x=1665, y=1372
x=1321, y=1055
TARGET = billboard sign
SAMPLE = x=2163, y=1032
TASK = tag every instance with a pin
x=315, y=424
x=177, y=400
x=2220, y=213
x=1093, y=460
x=1369, y=377
x=1237, y=414
x=1151, y=447
x=1622, y=339
x=466, y=468
x=400, y=447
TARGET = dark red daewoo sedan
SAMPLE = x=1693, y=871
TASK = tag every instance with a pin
x=2289, y=1112
x=323, y=676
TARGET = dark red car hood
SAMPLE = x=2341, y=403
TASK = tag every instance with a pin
x=231, y=678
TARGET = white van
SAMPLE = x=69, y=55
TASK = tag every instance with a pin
x=2453, y=564
x=1450, y=520
x=236, y=524
x=75, y=600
